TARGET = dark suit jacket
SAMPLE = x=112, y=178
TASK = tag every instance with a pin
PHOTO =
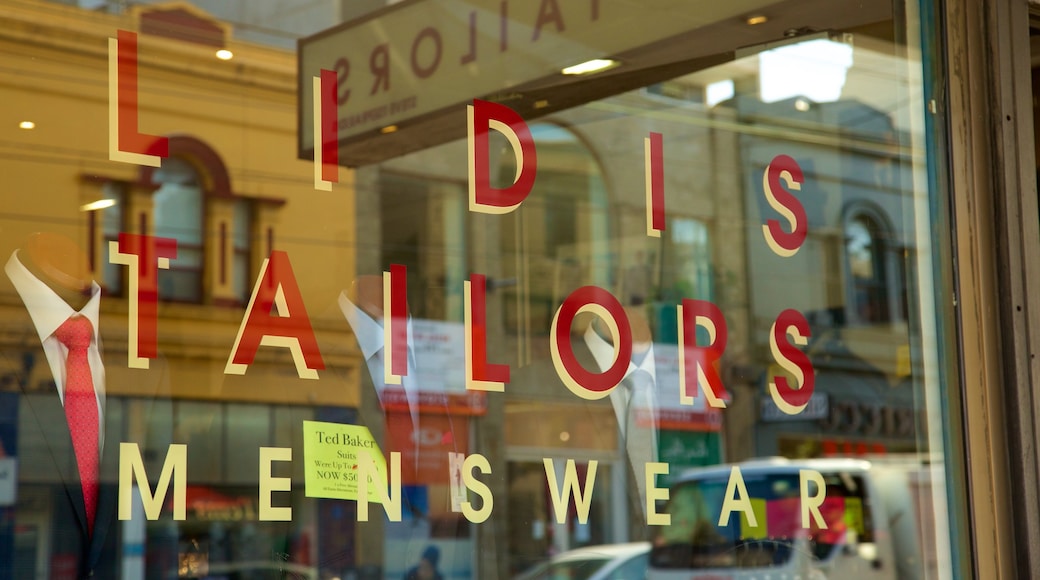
x=49, y=507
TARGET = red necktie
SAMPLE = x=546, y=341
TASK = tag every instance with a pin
x=81, y=410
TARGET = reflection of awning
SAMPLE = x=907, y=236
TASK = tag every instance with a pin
x=407, y=72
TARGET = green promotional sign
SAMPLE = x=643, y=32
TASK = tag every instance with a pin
x=685, y=449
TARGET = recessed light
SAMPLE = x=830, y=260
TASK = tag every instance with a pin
x=26, y=125
x=541, y=104
x=225, y=54
x=757, y=19
x=591, y=66
x=388, y=129
x=99, y=204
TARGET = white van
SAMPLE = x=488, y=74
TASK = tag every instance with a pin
x=875, y=512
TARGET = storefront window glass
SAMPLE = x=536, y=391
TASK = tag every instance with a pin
x=470, y=289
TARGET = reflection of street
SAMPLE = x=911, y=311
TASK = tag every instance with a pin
x=534, y=535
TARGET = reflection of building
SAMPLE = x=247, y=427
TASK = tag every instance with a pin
x=584, y=223
x=849, y=279
x=229, y=195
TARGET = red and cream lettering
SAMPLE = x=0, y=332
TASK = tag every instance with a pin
x=395, y=324
x=784, y=243
x=291, y=328
x=484, y=116
x=125, y=142
x=480, y=375
x=791, y=399
x=582, y=382
x=699, y=364
x=143, y=255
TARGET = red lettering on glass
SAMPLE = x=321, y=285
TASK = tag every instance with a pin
x=791, y=399
x=329, y=127
x=395, y=323
x=782, y=242
x=699, y=364
x=290, y=327
x=603, y=304
x=654, y=154
x=484, y=116
x=144, y=255
x=480, y=375
x=126, y=143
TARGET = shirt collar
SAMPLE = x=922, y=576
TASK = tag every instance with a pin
x=603, y=352
x=47, y=310
x=369, y=332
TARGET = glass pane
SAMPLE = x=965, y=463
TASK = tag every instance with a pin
x=473, y=289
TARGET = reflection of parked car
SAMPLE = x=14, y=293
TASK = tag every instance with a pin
x=607, y=562
x=876, y=522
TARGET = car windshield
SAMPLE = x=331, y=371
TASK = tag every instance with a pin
x=568, y=570
x=696, y=540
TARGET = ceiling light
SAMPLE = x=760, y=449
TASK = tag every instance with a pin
x=99, y=204
x=26, y=125
x=801, y=104
x=590, y=66
x=541, y=104
x=388, y=129
x=225, y=54
x=757, y=19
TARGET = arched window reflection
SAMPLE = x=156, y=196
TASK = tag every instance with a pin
x=178, y=215
x=558, y=239
x=865, y=255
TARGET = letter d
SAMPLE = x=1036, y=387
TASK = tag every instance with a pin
x=484, y=116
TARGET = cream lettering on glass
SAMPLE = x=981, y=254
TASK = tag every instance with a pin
x=561, y=498
x=480, y=374
x=737, y=500
x=326, y=131
x=175, y=469
x=368, y=474
x=784, y=243
x=483, y=116
x=290, y=328
x=268, y=484
x=702, y=360
x=125, y=142
x=143, y=255
x=479, y=462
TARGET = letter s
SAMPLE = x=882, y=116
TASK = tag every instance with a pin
x=791, y=400
x=784, y=244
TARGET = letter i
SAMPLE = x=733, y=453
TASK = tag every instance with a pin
x=653, y=149
x=395, y=324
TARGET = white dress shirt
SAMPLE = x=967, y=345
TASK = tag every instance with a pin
x=641, y=445
x=369, y=332
x=603, y=353
x=48, y=311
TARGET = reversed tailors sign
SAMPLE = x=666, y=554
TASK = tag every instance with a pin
x=403, y=75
